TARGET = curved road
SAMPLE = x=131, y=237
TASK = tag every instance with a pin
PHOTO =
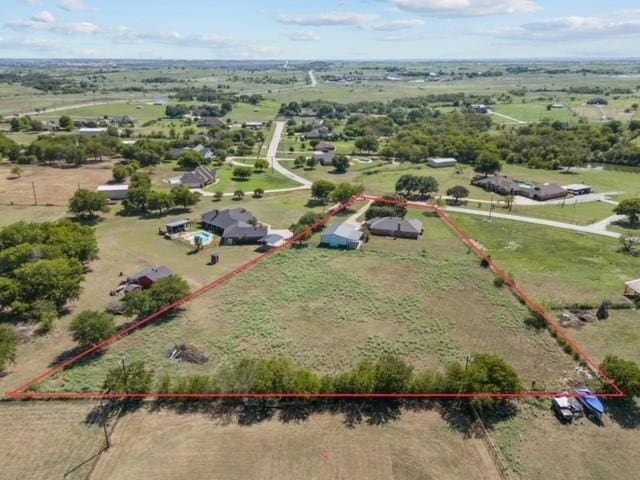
x=272, y=158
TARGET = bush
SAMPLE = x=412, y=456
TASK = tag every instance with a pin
x=131, y=378
x=89, y=328
x=164, y=292
x=8, y=346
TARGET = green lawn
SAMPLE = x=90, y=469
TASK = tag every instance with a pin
x=558, y=267
x=532, y=112
x=263, y=112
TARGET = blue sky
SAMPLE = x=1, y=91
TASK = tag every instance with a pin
x=321, y=29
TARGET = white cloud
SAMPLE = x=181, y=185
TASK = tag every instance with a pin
x=128, y=35
x=303, y=36
x=364, y=21
x=467, y=8
x=569, y=28
x=72, y=5
x=31, y=2
x=46, y=21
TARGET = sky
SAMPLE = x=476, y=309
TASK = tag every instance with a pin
x=320, y=29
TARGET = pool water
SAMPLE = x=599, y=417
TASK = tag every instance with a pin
x=205, y=237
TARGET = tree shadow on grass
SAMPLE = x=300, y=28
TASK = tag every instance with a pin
x=625, y=413
x=73, y=352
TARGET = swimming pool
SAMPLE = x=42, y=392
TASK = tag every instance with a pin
x=205, y=238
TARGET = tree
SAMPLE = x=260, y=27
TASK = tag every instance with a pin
x=8, y=346
x=625, y=374
x=242, y=173
x=89, y=328
x=311, y=163
x=16, y=171
x=407, y=184
x=341, y=163
x=137, y=199
x=65, y=123
x=159, y=201
x=631, y=208
x=628, y=244
x=238, y=195
x=321, y=189
x=217, y=196
x=57, y=280
x=184, y=197
x=488, y=163
x=300, y=161
x=458, y=192
x=9, y=291
x=140, y=180
x=258, y=193
x=87, y=203
x=260, y=165
x=190, y=160
x=426, y=186
x=344, y=191
x=129, y=378
x=367, y=143
x=165, y=291
x=120, y=173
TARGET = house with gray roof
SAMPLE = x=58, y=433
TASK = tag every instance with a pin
x=198, y=178
x=504, y=185
x=343, y=235
x=396, y=227
x=207, y=122
x=235, y=226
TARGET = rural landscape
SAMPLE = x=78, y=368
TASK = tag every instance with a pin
x=309, y=268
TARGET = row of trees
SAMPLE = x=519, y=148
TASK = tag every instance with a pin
x=485, y=373
x=142, y=198
x=324, y=190
x=41, y=268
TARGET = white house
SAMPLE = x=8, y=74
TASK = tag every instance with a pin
x=254, y=125
x=442, y=162
x=114, y=192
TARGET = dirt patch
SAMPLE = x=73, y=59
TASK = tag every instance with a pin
x=53, y=186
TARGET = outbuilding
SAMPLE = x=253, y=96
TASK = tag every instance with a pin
x=178, y=226
x=632, y=288
x=114, y=192
x=92, y=132
x=442, y=162
x=578, y=189
x=148, y=277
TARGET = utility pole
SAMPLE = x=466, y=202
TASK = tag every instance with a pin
x=35, y=197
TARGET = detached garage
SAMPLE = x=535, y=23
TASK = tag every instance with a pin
x=442, y=162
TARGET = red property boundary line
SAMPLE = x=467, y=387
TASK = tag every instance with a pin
x=21, y=392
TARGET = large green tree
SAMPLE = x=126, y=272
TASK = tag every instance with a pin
x=132, y=377
x=345, y=191
x=57, y=280
x=89, y=328
x=184, y=197
x=631, y=208
x=88, y=203
x=321, y=189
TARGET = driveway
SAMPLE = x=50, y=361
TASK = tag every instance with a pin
x=272, y=155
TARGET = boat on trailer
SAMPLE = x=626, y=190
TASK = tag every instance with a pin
x=591, y=403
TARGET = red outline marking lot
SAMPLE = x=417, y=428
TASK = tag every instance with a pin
x=21, y=392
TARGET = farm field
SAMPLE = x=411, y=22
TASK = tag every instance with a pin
x=45, y=440
x=571, y=212
x=52, y=185
x=141, y=115
x=557, y=267
x=393, y=300
x=207, y=445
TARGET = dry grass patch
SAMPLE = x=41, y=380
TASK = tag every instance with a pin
x=164, y=445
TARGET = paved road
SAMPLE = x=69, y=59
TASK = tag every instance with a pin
x=272, y=158
x=595, y=229
x=312, y=77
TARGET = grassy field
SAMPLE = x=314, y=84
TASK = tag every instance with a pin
x=328, y=309
x=531, y=113
x=141, y=115
x=417, y=445
x=538, y=447
x=263, y=112
x=128, y=244
x=556, y=266
x=45, y=440
x=571, y=212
